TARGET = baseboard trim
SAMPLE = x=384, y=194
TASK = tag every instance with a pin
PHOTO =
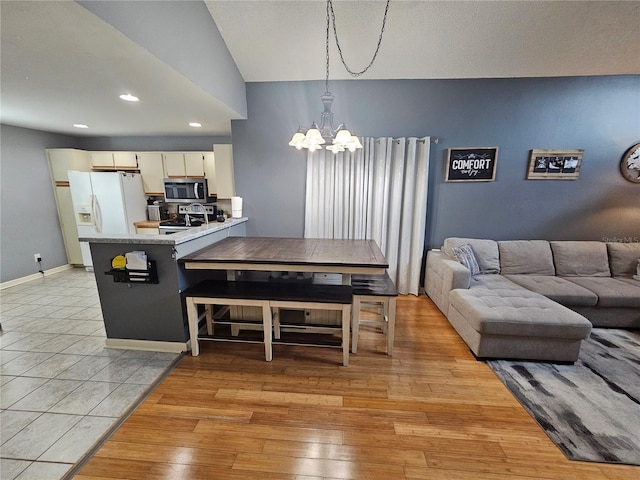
x=146, y=345
x=35, y=276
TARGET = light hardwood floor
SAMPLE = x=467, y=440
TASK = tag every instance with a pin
x=429, y=412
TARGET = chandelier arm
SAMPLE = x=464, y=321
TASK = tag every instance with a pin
x=335, y=33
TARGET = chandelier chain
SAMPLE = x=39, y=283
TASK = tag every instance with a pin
x=326, y=80
x=335, y=33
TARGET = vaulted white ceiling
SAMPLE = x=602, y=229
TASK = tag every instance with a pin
x=61, y=64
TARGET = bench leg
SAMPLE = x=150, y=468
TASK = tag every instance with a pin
x=192, y=316
x=267, y=326
x=276, y=322
x=208, y=309
x=355, y=323
x=383, y=311
x=391, y=327
x=346, y=324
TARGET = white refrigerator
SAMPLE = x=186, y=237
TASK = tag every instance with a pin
x=106, y=203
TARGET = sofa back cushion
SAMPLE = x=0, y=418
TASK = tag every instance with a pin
x=623, y=258
x=526, y=257
x=581, y=258
x=486, y=252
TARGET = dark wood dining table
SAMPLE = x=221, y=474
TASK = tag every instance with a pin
x=345, y=257
x=267, y=254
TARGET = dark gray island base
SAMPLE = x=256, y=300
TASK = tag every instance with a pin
x=152, y=316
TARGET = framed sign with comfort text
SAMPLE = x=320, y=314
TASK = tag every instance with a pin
x=554, y=164
x=472, y=164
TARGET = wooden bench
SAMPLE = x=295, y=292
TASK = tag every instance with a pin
x=269, y=296
x=376, y=291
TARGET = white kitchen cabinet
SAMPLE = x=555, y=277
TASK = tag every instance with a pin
x=68, y=225
x=174, y=164
x=114, y=160
x=62, y=160
x=147, y=231
x=152, y=171
x=190, y=164
x=225, y=182
x=210, y=171
x=194, y=164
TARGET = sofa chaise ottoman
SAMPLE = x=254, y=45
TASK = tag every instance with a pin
x=497, y=318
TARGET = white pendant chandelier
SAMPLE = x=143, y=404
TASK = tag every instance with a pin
x=340, y=138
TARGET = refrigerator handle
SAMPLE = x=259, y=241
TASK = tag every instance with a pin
x=97, y=218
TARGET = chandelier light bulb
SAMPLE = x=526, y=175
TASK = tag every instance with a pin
x=297, y=139
x=343, y=137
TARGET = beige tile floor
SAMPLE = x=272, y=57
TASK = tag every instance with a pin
x=60, y=388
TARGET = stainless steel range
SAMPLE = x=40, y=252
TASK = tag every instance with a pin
x=190, y=216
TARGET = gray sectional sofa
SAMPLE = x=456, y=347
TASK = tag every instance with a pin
x=533, y=299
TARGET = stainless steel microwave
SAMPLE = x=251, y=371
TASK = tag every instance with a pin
x=185, y=190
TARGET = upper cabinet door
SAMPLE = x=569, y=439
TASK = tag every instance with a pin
x=114, y=160
x=61, y=160
x=225, y=182
x=174, y=164
x=210, y=172
x=190, y=164
x=102, y=160
x=152, y=172
x=125, y=160
x=194, y=164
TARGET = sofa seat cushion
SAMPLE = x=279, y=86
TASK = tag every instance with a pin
x=557, y=289
x=631, y=281
x=612, y=292
x=486, y=252
x=532, y=257
x=623, y=258
x=510, y=309
x=580, y=259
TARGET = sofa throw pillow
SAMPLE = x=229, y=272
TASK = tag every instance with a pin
x=465, y=255
x=485, y=251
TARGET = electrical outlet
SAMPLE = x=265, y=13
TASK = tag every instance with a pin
x=37, y=257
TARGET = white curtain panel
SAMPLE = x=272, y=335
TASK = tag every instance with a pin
x=378, y=192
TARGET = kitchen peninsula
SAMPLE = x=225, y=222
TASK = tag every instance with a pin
x=151, y=316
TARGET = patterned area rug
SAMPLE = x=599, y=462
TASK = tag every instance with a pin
x=591, y=410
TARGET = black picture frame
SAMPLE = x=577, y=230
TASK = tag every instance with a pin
x=554, y=164
x=471, y=164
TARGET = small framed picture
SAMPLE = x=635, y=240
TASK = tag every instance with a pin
x=474, y=164
x=554, y=164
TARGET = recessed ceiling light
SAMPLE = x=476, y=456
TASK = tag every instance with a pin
x=129, y=98
x=195, y=124
x=80, y=125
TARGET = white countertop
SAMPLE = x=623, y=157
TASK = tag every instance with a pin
x=173, y=239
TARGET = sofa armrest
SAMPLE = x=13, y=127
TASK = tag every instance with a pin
x=442, y=274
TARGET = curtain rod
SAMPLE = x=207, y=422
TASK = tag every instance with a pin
x=435, y=140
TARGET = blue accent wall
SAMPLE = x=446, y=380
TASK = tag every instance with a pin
x=598, y=114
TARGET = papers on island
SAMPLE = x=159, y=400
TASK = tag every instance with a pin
x=137, y=260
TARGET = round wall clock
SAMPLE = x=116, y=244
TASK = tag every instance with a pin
x=630, y=164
